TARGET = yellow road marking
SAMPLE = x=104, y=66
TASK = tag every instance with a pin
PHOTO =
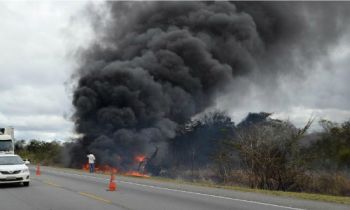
x=51, y=183
x=95, y=197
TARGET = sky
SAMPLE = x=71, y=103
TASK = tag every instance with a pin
x=36, y=40
x=36, y=63
x=322, y=93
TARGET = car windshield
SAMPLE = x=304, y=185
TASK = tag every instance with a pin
x=10, y=160
x=6, y=145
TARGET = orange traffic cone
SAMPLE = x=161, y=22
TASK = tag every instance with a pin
x=38, y=173
x=112, y=183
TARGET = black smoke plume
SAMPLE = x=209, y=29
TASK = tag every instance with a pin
x=154, y=65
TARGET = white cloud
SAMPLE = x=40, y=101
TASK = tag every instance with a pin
x=34, y=40
x=300, y=115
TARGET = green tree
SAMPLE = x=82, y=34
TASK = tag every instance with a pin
x=332, y=150
x=47, y=153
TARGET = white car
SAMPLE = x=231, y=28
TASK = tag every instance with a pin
x=13, y=170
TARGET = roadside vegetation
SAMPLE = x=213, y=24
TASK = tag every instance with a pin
x=260, y=153
x=265, y=153
x=46, y=153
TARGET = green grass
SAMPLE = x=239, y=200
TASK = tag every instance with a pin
x=300, y=195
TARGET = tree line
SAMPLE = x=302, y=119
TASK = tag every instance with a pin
x=259, y=152
x=265, y=153
x=43, y=152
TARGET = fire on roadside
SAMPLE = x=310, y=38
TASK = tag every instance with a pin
x=101, y=169
x=139, y=158
x=136, y=174
x=106, y=169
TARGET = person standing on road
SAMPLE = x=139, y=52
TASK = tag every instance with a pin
x=92, y=159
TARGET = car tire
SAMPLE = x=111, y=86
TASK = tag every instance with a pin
x=26, y=184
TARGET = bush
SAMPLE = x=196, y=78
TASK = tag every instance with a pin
x=329, y=183
x=45, y=153
x=271, y=155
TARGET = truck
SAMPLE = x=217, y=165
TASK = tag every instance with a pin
x=7, y=140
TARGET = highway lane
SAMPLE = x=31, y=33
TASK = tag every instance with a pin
x=69, y=189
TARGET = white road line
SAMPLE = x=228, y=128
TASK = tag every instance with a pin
x=183, y=191
x=210, y=195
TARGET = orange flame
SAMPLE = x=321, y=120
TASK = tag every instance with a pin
x=108, y=169
x=101, y=169
x=136, y=174
x=85, y=167
x=139, y=158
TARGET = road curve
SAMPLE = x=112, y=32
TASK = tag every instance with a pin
x=64, y=189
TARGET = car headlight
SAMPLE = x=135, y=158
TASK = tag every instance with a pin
x=25, y=170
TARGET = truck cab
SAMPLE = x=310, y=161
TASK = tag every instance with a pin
x=7, y=141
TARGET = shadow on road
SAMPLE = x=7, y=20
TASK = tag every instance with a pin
x=11, y=185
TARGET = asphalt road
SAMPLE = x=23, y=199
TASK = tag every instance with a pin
x=58, y=189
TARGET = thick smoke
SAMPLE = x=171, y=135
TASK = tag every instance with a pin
x=155, y=65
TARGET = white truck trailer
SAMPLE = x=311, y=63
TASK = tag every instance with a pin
x=7, y=140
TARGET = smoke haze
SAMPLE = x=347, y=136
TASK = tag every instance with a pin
x=154, y=65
